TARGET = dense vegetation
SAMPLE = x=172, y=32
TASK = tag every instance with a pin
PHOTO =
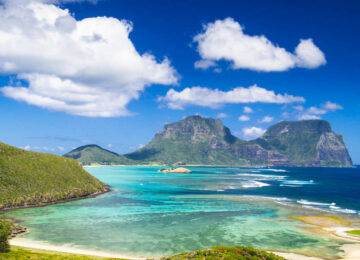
x=205, y=141
x=31, y=178
x=5, y=231
x=94, y=154
x=226, y=253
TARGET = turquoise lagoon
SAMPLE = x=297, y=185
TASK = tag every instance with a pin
x=155, y=214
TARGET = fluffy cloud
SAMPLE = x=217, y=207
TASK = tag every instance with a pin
x=244, y=118
x=215, y=98
x=266, y=119
x=248, y=110
x=330, y=106
x=226, y=40
x=252, y=132
x=45, y=1
x=85, y=67
x=222, y=115
x=204, y=64
x=315, y=112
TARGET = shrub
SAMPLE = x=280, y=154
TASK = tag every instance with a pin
x=5, y=231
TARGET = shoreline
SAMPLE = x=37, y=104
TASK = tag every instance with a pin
x=239, y=166
x=107, y=189
x=70, y=250
x=89, y=252
x=351, y=251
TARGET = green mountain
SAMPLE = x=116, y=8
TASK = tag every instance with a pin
x=94, y=154
x=31, y=178
x=194, y=140
x=306, y=143
x=205, y=141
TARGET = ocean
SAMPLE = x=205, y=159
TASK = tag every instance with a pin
x=155, y=214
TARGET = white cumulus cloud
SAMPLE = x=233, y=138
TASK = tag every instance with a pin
x=330, y=106
x=226, y=40
x=87, y=67
x=248, y=110
x=266, y=119
x=315, y=112
x=215, y=98
x=252, y=132
x=222, y=115
x=244, y=118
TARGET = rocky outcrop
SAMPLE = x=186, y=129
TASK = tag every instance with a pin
x=331, y=150
x=309, y=143
x=175, y=170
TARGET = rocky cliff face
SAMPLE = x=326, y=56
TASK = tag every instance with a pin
x=306, y=143
x=195, y=129
x=206, y=141
x=331, y=150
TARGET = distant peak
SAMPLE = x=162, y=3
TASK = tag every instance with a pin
x=317, y=125
x=192, y=117
x=89, y=146
x=81, y=148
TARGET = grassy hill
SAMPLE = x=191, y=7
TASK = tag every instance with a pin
x=94, y=154
x=226, y=253
x=31, y=178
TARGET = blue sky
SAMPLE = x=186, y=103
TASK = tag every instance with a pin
x=67, y=81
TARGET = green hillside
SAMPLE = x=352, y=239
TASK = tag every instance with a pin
x=31, y=178
x=196, y=140
x=94, y=154
x=226, y=253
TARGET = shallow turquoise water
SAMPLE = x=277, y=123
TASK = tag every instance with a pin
x=156, y=214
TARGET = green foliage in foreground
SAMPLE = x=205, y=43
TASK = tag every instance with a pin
x=31, y=178
x=226, y=253
x=5, y=231
x=354, y=232
x=18, y=253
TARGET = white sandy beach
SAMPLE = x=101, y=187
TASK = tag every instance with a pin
x=72, y=250
x=352, y=251
x=66, y=249
x=292, y=256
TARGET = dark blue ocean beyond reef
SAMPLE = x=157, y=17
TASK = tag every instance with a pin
x=155, y=214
